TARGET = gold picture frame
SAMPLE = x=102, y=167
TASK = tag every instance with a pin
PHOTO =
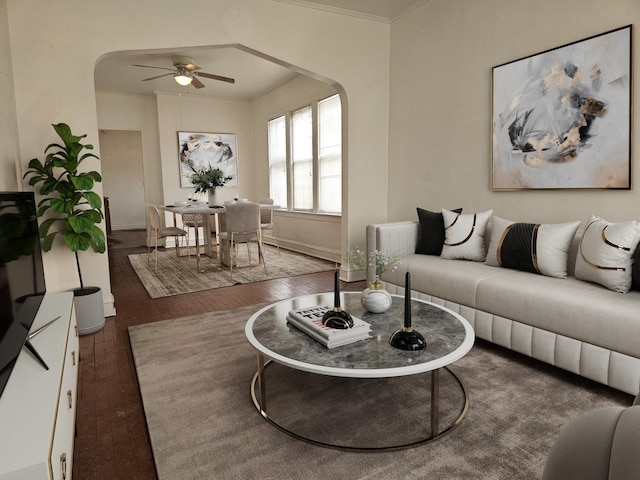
x=561, y=119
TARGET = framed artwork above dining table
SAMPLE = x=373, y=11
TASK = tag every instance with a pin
x=200, y=150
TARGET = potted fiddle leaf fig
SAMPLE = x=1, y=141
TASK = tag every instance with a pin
x=71, y=210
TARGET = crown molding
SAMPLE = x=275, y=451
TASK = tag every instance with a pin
x=340, y=11
x=354, y=13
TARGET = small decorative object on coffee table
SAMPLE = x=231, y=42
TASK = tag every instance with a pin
x=374, y=299
x=337, y=318
x=407, y=338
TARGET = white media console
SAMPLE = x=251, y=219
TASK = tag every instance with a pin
x=38, y=406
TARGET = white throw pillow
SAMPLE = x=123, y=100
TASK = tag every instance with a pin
x=464, y=235
x=606, y=251
x=535, y=248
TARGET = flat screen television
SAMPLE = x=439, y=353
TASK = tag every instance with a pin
x=22, y=284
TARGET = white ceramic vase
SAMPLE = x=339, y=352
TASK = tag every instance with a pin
x=375, y=299
x=212, y=197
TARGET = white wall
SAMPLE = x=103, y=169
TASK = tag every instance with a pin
x=191, y=113
x=65, y=38
x=10, y=164
x=123, y=178
x=440, y=116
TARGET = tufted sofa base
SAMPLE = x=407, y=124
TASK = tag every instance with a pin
x=615, y=369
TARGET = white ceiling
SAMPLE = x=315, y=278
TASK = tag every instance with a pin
x=254, y=76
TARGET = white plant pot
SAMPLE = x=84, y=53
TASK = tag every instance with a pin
x=89, y=309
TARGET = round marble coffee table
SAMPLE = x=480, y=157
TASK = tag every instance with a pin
x=448, y=335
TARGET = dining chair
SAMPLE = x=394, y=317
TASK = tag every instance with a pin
x=156, y=232
x=266, y=221
x=242, y=222
x=213, y=228
x=191, y=220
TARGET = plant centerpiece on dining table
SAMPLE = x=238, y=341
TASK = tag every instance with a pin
x=207, y=180
x=375, y=299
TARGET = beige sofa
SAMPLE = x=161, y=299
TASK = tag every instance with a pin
x=579, y=326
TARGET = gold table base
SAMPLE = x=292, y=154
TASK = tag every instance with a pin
x=258, y=395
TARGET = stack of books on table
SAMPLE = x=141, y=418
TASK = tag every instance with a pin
x=309, y=320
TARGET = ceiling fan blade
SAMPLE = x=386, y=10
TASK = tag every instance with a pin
x=159, y=76
x=151, y=66
x=215, y=77
x=196, y=83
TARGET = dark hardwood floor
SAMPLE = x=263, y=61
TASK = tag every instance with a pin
x=112, y=441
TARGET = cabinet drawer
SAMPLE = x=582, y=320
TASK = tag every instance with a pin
x=61, y=459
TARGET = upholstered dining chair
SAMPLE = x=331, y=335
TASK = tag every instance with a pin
x=156, y=232
x=266, y=221
x=242, y=225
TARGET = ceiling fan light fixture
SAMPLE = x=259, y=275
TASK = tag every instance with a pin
x=182, y=79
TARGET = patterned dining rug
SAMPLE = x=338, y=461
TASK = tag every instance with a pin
x=194, y=375
x=178, y=275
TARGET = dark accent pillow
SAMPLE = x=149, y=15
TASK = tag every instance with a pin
x=635, y=273
x=518, y=247
x=534, y=248
x=431, y=232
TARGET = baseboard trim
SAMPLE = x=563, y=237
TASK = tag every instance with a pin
x=108, y=303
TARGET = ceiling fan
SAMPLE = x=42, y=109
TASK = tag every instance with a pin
x=185, y=72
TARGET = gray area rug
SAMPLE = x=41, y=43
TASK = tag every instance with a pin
x=178, y=275
x=195, y=373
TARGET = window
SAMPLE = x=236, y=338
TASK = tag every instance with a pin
x=302, y=158
x=311, y=168
x=278, y=160
x=330, y=155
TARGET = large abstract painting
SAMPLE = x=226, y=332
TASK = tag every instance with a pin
x=562, y=118
x=201, y=150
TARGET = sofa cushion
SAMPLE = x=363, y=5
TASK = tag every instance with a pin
x=606, y=253
x=451, y=279
x=531, y=247
x=464, y=235
x=430, y=232
x=573, y=308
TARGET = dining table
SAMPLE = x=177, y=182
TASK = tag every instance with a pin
x=205, y=211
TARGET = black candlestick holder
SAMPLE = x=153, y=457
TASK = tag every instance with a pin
x=407, y=338
x=336, y=317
